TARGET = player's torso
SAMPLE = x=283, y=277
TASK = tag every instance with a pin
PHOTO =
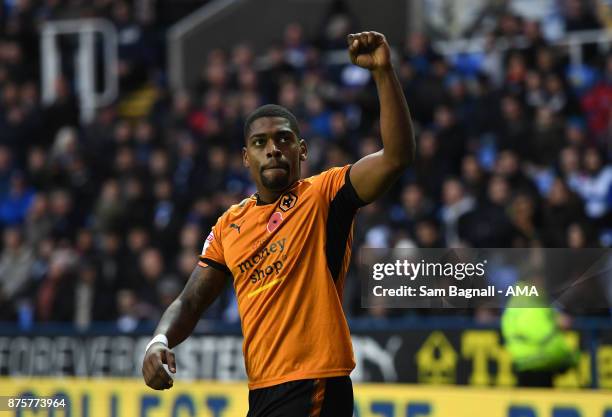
x=267, y=245
x=289, y=304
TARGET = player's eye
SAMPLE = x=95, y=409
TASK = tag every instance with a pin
x=284, y=138
x=258, y=142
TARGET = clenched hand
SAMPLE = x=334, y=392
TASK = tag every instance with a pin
x=153, y=370
x=369, y=50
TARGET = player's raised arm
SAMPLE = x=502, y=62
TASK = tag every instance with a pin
x=177, y=323
x=372, y=175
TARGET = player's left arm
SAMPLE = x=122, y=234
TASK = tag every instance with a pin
x=372, y=175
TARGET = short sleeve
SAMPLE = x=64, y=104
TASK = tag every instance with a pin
x=212, y=252
x=335, y=183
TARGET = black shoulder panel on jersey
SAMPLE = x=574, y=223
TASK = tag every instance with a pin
x=216, y=265
x=342, y=210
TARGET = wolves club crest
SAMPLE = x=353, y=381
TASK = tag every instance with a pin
x=287, y=201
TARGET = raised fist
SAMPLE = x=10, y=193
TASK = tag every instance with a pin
x=369, y=50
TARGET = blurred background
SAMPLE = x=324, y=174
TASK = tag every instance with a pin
x=120, y=145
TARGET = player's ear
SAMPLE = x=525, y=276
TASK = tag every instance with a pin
x=245, y=157
x=303, y=150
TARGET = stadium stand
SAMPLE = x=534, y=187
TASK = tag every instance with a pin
x=102, y=222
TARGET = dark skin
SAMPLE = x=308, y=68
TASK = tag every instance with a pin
x=179, y=320
x=273, y=153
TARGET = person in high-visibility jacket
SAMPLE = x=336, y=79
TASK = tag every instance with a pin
x=530, y=327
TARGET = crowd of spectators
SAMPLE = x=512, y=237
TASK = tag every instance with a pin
x=104, y=221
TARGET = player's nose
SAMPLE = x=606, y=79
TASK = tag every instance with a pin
x=271, y=149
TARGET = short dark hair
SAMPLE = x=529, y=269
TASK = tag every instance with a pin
x=271, y=110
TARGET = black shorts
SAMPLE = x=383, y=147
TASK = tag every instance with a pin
x=325, y=397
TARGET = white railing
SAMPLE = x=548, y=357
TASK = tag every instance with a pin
x=573, y=41
x=182, y=29
x=85, y=62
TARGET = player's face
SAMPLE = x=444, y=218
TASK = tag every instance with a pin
x=273, y=153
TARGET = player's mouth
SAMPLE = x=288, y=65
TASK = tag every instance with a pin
x=275, y=167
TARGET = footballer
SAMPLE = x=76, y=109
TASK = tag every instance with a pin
x=287, y=249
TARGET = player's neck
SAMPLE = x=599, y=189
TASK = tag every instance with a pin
x=266, y=196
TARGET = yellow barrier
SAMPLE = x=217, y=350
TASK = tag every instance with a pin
x=131, y=398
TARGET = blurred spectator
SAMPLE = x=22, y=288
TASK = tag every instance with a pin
x=431, y=165
x=40, y=175
x=56, y=295
x=427, y=234
x=295, y=47
x=16, y=261
x=166, y=217
x=128, y=318
x=153, y=283
x=594, y=185
x=85, y=296
x=113, y=269
x=524, y=218
x=547, y=137
x=488, y=225
x=132, y=67
x=109, y=209
x=514, y=126
x=455, y=204
x=38, y=223
x=16, y=203
x=136, y=207
x=561, y=209
x=596, y=104
x=5, y=170
x=578, y=16
x=473, y=176
x=414, y=206
x=508, y=166
x=61, y=208
x=451, y=137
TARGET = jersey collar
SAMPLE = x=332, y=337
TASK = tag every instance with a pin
x=260, y=202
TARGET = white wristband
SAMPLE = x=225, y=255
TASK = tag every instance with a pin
x=160, y=338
